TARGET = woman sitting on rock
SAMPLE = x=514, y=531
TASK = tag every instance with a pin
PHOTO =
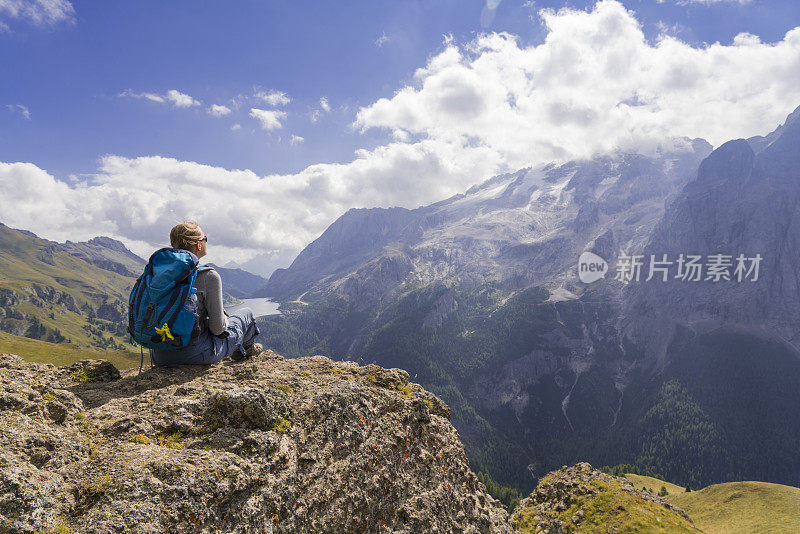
x=217, y=335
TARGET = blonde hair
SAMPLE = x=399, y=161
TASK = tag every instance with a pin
x=184, y=235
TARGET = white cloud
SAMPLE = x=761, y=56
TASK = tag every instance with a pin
x=324, y=107
x=675, y=29
x=269, y=119
x=595, y=84
x=273, y=98
x=383, y=39
x=296, y=140
x=219, y=111
x=129, y=93
x=173, y=96
x=138, y=200
x=323, y=103
x=42, y=13
x=19, y=108
x=236, y=127
x=401, y=135
x=181, y=100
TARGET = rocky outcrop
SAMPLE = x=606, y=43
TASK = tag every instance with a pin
x=583, y=499
x=264, y=445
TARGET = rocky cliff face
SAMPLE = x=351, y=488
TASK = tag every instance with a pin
x=353, y=239
x=267, y=445
x=744, y=201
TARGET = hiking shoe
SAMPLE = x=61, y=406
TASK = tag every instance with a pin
x=249, y=351
x=238, y=355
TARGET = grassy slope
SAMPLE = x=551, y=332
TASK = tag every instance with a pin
x=85, y=282
x=615, y=508
x=735, y=507
x=59, y=354
x=654, y=484
x=612, y=509
x=21, y=266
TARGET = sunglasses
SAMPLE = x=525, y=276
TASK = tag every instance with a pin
x=205, y=238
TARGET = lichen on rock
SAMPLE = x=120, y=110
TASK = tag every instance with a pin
x=265, y=445
x=583, y=499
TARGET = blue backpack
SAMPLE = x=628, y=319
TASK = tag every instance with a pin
x=163, y=304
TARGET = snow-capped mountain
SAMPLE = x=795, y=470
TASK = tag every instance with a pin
x=517, y=229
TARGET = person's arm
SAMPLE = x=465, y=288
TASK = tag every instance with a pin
x=217, y=318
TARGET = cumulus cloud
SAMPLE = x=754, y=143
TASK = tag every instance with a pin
x=138, y=200
x=595, y=84
x=219, y=111
x=19, y=108
x=173, y=96
x=42, y=13
x=181, y=100
x=270, y=119
x=273, y=98
x=382, y=40
x=296, y=140
x=236, y=127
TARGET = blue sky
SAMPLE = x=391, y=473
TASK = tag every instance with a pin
x=69, y=75
x=74, y=85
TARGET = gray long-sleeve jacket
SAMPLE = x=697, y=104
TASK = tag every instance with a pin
x=209, y=300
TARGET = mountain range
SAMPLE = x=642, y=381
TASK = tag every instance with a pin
x=478, y=297
x=57, y=292
x=238, y=283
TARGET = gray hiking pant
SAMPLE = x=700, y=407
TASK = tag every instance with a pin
x=208, y=348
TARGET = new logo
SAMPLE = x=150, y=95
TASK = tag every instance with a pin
x=591, y=267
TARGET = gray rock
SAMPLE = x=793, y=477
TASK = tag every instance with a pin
x=273, y=445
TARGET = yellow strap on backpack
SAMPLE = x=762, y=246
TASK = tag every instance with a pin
x=165, y=333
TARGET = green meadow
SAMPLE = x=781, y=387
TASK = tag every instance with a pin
x=734, y=507
x=59, y=354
